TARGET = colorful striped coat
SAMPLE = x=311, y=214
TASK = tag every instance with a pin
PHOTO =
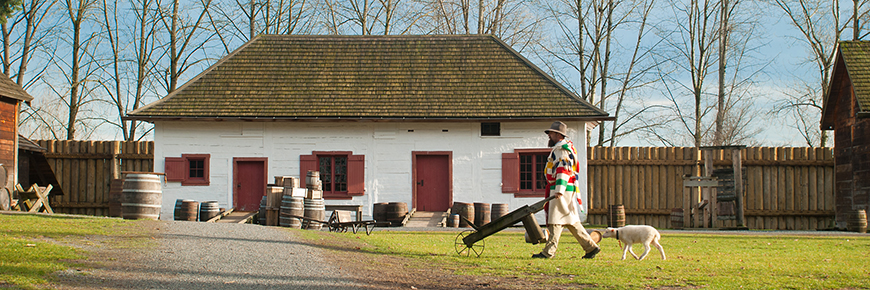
x=562, y=168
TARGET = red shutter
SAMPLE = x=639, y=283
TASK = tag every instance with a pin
x=306, y=162
x=510, y=172
x=356, y=173
x=174, y=168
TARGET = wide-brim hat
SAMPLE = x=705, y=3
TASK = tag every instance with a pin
x=558, y=127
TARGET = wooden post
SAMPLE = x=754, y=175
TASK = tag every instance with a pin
x=712, y=205
x=738, y=184
x=116, y=162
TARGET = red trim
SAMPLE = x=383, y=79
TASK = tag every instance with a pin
x=414, y=155
x=204, y=180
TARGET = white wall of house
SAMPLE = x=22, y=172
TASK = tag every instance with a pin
x=387, y=147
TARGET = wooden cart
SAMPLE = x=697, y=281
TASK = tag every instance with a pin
x=340, y=221
x=467, y=241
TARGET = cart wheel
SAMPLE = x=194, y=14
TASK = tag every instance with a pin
x=464, y=250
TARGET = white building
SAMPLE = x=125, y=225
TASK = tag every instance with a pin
x=426, y=120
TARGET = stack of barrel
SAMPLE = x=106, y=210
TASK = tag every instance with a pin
x=289, y=201
x=313, y=205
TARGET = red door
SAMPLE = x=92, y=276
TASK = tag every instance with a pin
x=433, y=182
x=250, y=183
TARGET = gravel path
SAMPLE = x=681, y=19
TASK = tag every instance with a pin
x=217, y=256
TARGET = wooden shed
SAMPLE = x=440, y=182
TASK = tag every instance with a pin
x=846, y=110
x=11, y=97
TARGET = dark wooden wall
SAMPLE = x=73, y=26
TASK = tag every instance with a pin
x=8, y=136
x=852, y=155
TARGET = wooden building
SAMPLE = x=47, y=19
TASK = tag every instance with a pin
x=846, y=111
x=11, y=97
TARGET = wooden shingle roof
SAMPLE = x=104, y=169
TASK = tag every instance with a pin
x=851, y=70
x=372, y=77
x=10, y=89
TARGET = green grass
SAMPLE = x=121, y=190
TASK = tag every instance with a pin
x=694, y=260
x=32, y=246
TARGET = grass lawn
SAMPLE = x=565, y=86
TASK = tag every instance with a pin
x=32, y=246
x=693, y=260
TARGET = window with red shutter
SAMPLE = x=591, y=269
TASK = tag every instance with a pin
x=342, y=174
x=523, y=172
x=189, y=169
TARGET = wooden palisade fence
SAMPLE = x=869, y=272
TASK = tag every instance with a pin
x=785, y=188
x=85, y=170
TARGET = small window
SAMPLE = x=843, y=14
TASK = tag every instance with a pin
x=532, y=167
x=189, y=169
x=490, y=129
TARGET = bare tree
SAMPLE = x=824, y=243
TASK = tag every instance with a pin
x=368, y=17
x=819, y=24
x=260, y=17
x=78, y=12
x=30, y=38
x=585, y=46
x=186, y=39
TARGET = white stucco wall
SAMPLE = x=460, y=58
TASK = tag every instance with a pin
x=387, y=147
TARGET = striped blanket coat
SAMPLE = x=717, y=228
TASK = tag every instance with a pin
x=562, y=168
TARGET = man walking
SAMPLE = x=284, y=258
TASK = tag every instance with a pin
x=561, y=171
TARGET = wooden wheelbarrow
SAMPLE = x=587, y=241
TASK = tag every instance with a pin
x=467, y=241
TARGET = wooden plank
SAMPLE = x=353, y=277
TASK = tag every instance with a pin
x=767, y=187
x=803, y=190
x=93, y=205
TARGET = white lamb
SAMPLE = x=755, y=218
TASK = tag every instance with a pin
x=635, y=234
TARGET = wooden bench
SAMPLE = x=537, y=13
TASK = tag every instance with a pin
x=353, y=208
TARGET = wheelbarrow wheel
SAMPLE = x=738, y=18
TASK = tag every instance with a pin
x=465, y=250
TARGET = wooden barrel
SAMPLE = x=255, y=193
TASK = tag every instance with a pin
x=464, y=210
x=677, y=218
x=314, y=209
x=291, y=206
x=616, y=218
x=141, y=197
x=312, y=180
x=857, y=221
x=188, y=210
x=208, y=209
x=395, y=213
x=379, y=211
x=178, y=208
x=481, y=214
x=498, y=210
x=453, y=221
x=115, y=189
x=261, y=215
